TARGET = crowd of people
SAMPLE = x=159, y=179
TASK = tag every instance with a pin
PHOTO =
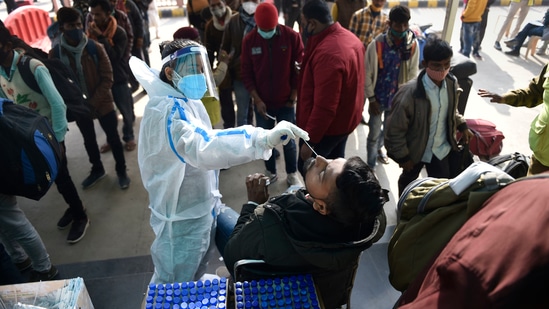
x=303, y=90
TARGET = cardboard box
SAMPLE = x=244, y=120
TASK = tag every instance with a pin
x=47, y=294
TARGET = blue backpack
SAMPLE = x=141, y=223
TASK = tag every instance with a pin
x=30, y=155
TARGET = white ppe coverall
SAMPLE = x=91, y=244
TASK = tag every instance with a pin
x=183, y=187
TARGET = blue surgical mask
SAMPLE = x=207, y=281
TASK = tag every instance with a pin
x=397, y=34
x=266, y=34
x=193, y=86
x=74, y=35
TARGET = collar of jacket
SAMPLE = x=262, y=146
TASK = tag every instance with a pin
x=317, y=38
x=227, y=18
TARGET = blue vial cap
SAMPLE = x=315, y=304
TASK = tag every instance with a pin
x=159, y=299
x=167, y=305
x=295, y=292
x=221, y=306
x=285, y=279
x=184, y=292
x=161, y=292
x=191, y=305
x=297, y=305
x=269, y=281
x=184, y=305
x=221, y=299
x=169, y=292
x=304, y=299
x=248, y=304
x=184, y=285
x=204, y=307
x=160, y=286
x=246, y=284
x=286, y=293
x=223, y=280
x=197, y=304
x=277, y=281
x=303, y=292
x=199, y=284
x=270, y=296
x=278, y=295
x=278, y=288
x=238, y=291
x=200, y=290
x=168, y=299
x=306, y=305
x=158, y=306
x=239, y=305
x=293, y=278
x=239, y=298
x=255, y=303
x=205, y=301
x=176, y=286
x=247, y=291
x=222, y=292
x=149, y=306
x=192, y=298
x=208, y=289
x=152, y=286
x=215, y=281
x=151, y=293
x=213, y=293
x=254, y=290
x=264, y=305
x=176, y=300
x=270, y=289
x=213, y=301
x=149, y=299
x=264, y=297
x=238, y=284
x=168, y=286
x=272, y=303
x=185, y=299
x=280, y=302
x=288, y=301
x=261, y=282
x=175, y=306
x=207, y=283
x=262, y=290
x=177, y=293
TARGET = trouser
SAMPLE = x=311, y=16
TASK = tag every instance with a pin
x=436, y=168
x=469, y=32
x=375, y=139
x=513, y=9
x=528, y=30
x=290, y=153
x=481, y=31
x=109, y=124
x=124, y=103
x=86, y=127
x=19, y=236
x=330, y=147
x=10, y=273
x=242, y=103
x=227, y=107
x=66, y=187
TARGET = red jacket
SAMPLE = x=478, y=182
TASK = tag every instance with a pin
x=331, y=84
x=268, y=66
x=498, y=259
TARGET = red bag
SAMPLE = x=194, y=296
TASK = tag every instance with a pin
x=487, y=140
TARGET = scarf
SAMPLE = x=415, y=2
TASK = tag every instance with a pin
x=247, y=19
x=227, y=18
x=108, y=32
x=76, y=52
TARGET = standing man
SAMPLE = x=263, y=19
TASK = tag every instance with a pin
x=330, y=84
x=240, y=24
x=269, y=54
x=213, y=37
x=535, y=94
x=514, y=7
x=50, y=104
x=470, y=24
x=422, y=126
x=392, y=59
x=105, y=30
x=343, y=10
x=369, y=22
x=531, y=28
x=92, y=67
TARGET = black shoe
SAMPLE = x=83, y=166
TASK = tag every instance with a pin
x=513, y=52
x=93, y=178
x=26, y=264
x=65, y=220
x=478, y=56
x=497, y=46
x=44, y=276
x=511, y=43
x=123, y=181
x=78, y=230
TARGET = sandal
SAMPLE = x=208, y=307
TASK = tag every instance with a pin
x=105, y=148
x=130, y=146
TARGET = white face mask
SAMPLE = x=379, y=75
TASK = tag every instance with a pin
x=219, y=12
x=249, y=7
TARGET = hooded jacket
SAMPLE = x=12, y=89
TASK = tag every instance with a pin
x=287, y=232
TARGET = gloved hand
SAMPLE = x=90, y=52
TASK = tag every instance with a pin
x=283, y=132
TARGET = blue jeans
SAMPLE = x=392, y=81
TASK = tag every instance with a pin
x=290, y=153
x=226, y=221
x=124, y=103
x=374, y=141
x=10, y=274
x=242, y=102
x=19, y=236
x=528, y=30
x=469, y=33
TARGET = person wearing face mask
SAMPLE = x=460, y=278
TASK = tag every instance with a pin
x=269, y=54
x=90, y=63
x=240, y=24
x=179, y=156
x=392, y=59
x=421, y=128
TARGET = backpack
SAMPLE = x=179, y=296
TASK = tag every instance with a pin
x=65, y=82
x=431, y=211
x=487, y=141
x=515, y=164
x=30, y=155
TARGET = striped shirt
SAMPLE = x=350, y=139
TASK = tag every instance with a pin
x=366, y=25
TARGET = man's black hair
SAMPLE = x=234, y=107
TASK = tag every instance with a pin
x=68, y=15
x=317, y=9
x=104, y=4
x=358, y=196
x=5, y=34
x=437, y=50
x=169, y=48
x=399, y=14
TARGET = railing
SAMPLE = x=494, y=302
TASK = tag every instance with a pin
x=172, y=3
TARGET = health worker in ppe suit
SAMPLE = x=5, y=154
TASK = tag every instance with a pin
x=180, y=156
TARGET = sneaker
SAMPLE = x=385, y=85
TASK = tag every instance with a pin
x=65, y=220
x=382, y=157
x=497, y=46
x=123, y=181
x=272, y=177
x=478, y=56
x=93, y=178
x=78, y=230
x=513, y=52
x=293, y=180
x=43, y=276
x=26, y=264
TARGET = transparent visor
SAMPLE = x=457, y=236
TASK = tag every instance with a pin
x=193, y=60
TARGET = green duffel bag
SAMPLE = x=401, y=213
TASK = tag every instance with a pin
x=431, y=211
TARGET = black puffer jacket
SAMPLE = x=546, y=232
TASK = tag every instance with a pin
x=287, y=232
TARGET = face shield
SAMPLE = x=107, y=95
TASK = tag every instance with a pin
x=192, y=72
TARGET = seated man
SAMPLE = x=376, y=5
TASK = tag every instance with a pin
x=537, y=28
x=320, y=230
